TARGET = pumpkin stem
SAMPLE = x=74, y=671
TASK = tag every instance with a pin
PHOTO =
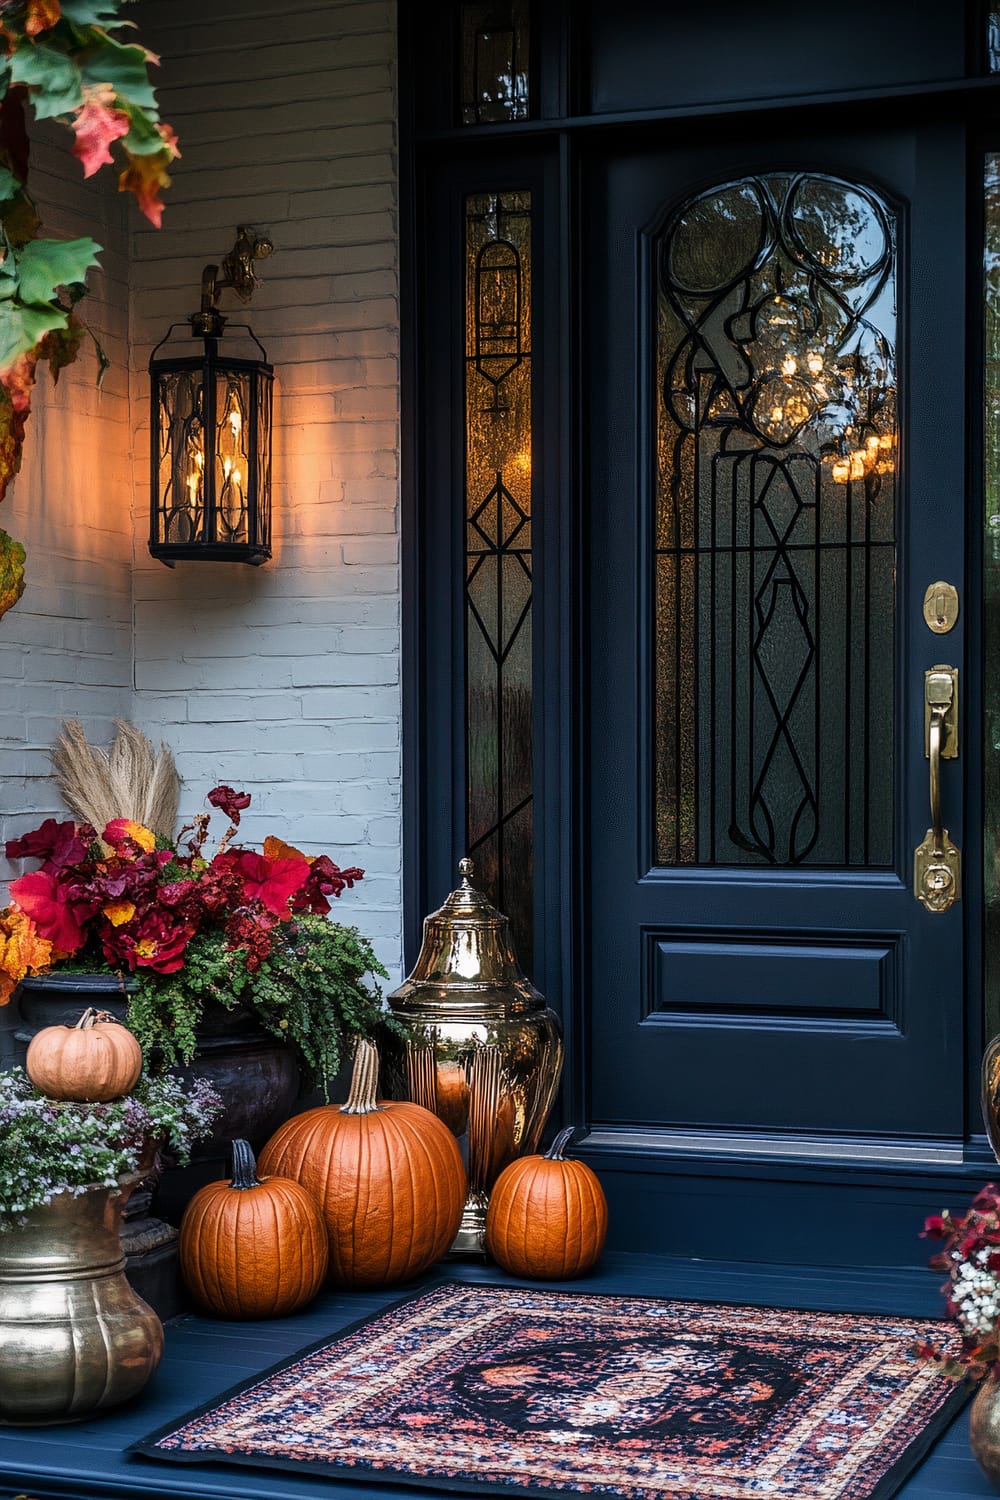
x=562, y=1140
x=244, y=1167
x=91, y=1016
x=363, y=1097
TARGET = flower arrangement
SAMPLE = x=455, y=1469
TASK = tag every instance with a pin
x=193, y=926
x=55, y=1146
x=970, y=1255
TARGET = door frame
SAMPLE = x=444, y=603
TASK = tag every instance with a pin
x=438, y=163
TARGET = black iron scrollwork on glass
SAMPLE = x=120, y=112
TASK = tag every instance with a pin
x=498, y=584
x=775, y=525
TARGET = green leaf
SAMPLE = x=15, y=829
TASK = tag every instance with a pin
x=123, y=66
x=53, y=78
x=143, y=139
x=45, y=265
x=9, y=185
x=93, y=13
x=11, y=572
x=22, y=327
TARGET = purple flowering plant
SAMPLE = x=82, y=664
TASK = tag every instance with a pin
x=50, y=1146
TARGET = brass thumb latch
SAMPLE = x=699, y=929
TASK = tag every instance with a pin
x=937, y=862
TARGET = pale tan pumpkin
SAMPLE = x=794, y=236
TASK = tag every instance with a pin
x=388, y=1178
x=252, y=1247
x=548, y=1216
x=92, y=1062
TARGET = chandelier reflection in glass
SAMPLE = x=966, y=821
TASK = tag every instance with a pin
x=211, y=432
x=775, y=524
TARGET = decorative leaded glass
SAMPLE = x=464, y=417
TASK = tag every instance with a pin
x=495, y=55
x=775, y=526
x=498, y=552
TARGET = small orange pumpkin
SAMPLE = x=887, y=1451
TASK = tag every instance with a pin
x=387, y=1175
x=92, y=1062
x=252, y=1248
x=548, y=1216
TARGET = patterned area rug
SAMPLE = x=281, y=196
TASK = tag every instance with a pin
x=528, y=1392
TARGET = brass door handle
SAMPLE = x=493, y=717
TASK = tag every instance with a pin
x=937, y=861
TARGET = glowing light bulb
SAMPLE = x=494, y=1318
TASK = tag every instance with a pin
x=873, y=445
x=814, y=361
x=856, y=463
x=227, y=465
x=192, y=484
x=789, y=365
x=236, y=478
x=235, y=422
x=199, y=459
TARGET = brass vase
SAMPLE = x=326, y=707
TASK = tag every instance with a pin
x=74, y=1336
x=984, y=1429
x=482, y=1049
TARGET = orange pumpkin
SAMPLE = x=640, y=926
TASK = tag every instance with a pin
x=252, y=1248
x=388, y=1177
x=548, y=1216
x=92, y=1062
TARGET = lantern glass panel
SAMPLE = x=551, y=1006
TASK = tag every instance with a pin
x=181, y=458
x=233, y=435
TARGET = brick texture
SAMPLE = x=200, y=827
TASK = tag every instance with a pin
x=66, y=648
x=282, y=680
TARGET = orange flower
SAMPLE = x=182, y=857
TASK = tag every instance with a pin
x=276, y=848
x=22, y=951
x=119, y=912
x=123, y=828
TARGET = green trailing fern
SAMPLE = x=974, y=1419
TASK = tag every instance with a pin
x=318, y=988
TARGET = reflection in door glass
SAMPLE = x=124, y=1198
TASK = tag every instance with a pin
x=775, y=546
x=991, y=590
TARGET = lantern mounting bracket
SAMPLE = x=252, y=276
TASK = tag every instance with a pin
x=237, y=272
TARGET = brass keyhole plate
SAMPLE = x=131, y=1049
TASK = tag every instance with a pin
x=941, y=607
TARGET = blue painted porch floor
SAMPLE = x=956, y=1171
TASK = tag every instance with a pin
x=86, y=1461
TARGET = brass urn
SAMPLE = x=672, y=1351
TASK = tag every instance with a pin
x=482, y=1050
x=74, y=1337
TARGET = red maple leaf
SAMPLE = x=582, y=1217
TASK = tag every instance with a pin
x=95, y=126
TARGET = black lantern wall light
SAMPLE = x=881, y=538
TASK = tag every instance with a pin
x=210, y=493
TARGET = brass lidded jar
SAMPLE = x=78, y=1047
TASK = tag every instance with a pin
x=482, y=1050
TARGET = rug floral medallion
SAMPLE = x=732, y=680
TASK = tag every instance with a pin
x=509, y=1389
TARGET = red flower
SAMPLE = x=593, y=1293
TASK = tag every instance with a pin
x=230, y=802
x=149, y=942
x=324, y=879
x=56, y=844
x=251, y=935
x=269, y=881
x=41, y=897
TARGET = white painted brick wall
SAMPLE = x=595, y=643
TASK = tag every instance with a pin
x=66, y=648
x=284, y=680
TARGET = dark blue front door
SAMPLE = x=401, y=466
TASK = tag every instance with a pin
x=775, y=370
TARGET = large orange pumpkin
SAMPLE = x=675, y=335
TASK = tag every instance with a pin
x=92, y=1062
x=252, y=1248
x=388, y=1177
x=548, y=1216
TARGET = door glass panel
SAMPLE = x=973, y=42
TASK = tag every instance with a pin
x=495, y=55
x=991, y=591
x=775, y=516
x=498, y=585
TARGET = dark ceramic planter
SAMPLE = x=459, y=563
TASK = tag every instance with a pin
x=255, y=1074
